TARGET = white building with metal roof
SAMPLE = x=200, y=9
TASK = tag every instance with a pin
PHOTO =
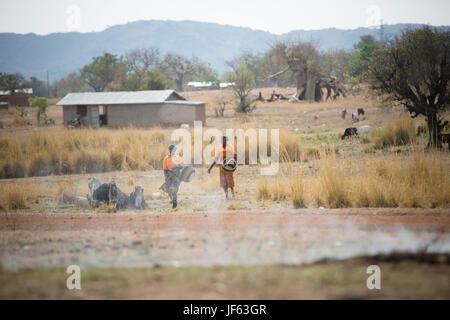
x=139, y=108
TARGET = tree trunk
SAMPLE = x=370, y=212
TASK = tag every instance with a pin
x=301, y=95
x=179, y=84
x=310, y=90
x=433, y=131
x=274, y=82
x=318, y=94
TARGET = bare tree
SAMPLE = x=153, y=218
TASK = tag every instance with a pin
x=302, y=59
x=179, y=69
x=142, y=60
x=221, y=100
x=270, y=64
x=243, y=83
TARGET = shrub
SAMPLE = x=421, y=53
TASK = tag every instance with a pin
x=15, y=197
x=398, y=132
x=333, y=180
x=297, y=191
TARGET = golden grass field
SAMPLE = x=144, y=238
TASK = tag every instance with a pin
x=389, y=167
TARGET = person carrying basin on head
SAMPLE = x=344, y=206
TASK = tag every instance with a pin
x=226, y=159
x=172, y=164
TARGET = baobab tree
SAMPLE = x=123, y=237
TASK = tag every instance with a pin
x=303, y=61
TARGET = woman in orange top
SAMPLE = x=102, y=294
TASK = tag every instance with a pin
x=226, y=151
x=172, y=164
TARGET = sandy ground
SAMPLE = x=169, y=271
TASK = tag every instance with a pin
x=145, y=239
x=274, y=254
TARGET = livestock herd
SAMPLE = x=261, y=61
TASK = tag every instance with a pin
x=352, y=131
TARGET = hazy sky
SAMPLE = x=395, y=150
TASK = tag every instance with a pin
x=276, y=16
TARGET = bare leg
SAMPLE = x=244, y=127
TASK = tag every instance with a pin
x=232, y=192
x=226, y=192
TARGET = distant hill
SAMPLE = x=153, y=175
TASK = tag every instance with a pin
x=61, y=53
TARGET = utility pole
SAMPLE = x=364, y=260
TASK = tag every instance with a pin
x=48, y=87
x=381, y=31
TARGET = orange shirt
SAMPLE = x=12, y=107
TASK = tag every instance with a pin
x=229, y=150
x=172, y=161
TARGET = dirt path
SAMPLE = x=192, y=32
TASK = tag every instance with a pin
x=132, y=239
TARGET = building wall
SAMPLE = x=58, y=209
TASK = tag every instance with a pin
x=16, y=99
x=142, y=115
x=69, y=113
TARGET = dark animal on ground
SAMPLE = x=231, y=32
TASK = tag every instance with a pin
x=349, y=132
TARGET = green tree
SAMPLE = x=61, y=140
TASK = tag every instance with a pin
x=205, y=73
x=73, y=82
x=154, y=81
x=12, y=82
x=102, y=71
x=151, y=80
x=365, y=49
x=126, y=82
x=251, y=61
x=41, y=105
x=338, y=64
x=413, y=70
x=243, y=83
x=38, y=86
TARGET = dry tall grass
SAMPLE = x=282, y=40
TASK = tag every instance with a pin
x=399, y=131
x=13, y=196
x=92, y=151
x=289, y=185
x=81, y=151
x=417, y=179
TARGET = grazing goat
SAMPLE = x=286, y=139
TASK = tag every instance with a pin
x=343, y=113
x=356, y=131
x=360, y=111
x=355, y=118
x=349, y=132
x=363, y=129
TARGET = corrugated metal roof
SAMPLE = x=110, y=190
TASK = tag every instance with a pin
x=118, y=97
x=24, y=90
x=194, y=103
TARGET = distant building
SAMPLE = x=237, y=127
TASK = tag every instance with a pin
x=195, y=85
x=139, y=108
x=224, y=85
x=19, y=98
